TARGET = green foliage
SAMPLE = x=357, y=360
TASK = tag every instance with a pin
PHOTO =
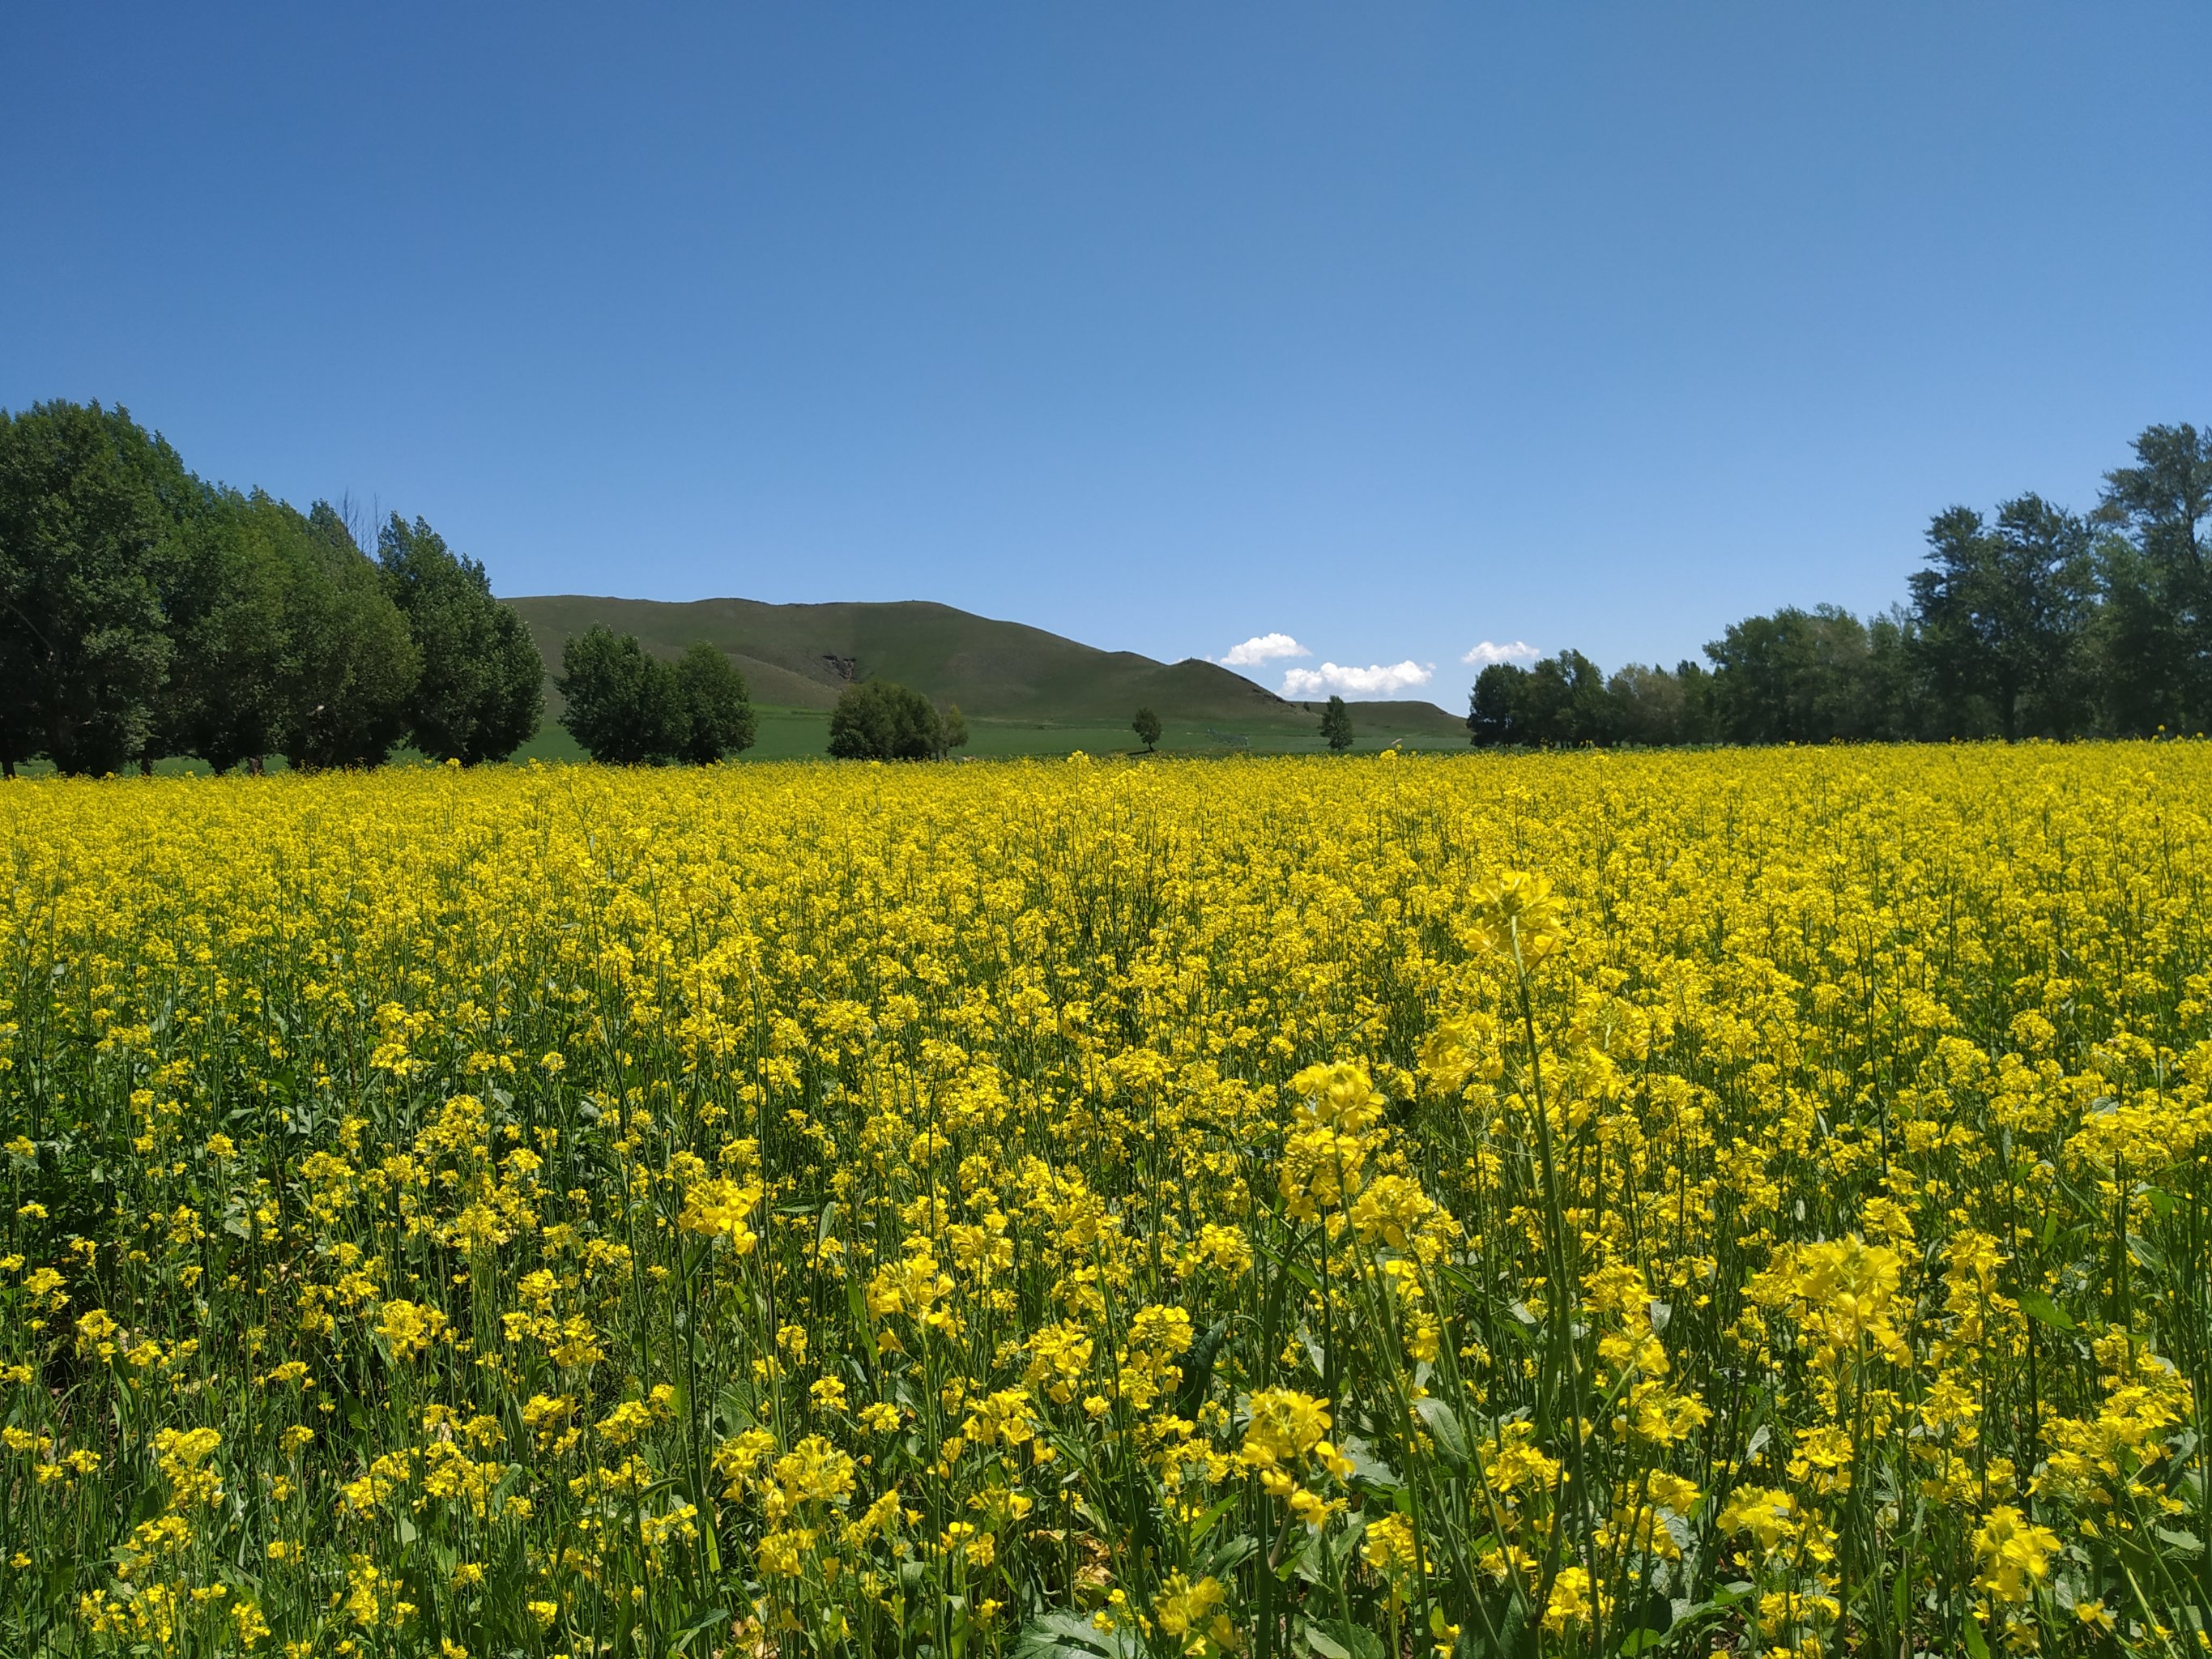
x=1336, y=725
x=1147, y=727
x=285, y=639
x=1795, y=677
x=624, y=707
x=1561, y=702
x=2002, y=610
x=88, y=502
x=1652, y=707
x=354, y=664
x=877, y=720
x=227, y=624
x=481, y=690
x=2155, y=659
x=2025, y=624
x=715, y=717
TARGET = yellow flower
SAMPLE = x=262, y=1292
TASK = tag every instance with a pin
x=1515, y=914
x=2014, y=1553
x=1182, y=1606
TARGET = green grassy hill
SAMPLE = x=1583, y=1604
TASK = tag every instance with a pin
x=1024, y=690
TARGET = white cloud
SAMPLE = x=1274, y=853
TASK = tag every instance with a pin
x=1381, y=680
x=1487, y=652
x=1261, y=648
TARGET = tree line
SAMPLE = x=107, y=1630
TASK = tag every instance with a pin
x=147, y=613
x=2029, y=621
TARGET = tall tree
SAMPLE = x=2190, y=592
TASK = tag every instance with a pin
x=229, y=637
x=352, y=669
x=88, y=503
x=716, y=714
x=481, y=689
x=1146, y=726
x=2002, y=609
x=2157, y=578
x=1336, y=725
x=1496, y=706
x=1566, y=703
x=623, y=706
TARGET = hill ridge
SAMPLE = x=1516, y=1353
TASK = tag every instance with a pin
x=803, y=655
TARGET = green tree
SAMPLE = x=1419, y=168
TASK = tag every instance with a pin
x=481, y=690
x=351, y=671
x=877, y=720
x=1336, y=725
x=89, y=501
x=1795, y=677
x=624, y=707
x=2001, y=611
x=228, y=636
x=952, y=730
x=1495, y=708
x=1147, y=727
x=1561, y=702
x=716, y=714
x=1900, y=706
x=1649, y=705
x=2157, y=659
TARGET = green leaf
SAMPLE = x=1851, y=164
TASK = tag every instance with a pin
x=2041, y=1309
x=685, y=1636
x=1442, y=1425
x=1367, y=1469
x=1336, y=1638
x=1976, y=1644
x=1072, y=1635
x=2148, y=1255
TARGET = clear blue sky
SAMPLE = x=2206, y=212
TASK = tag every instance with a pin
x=1390, y=328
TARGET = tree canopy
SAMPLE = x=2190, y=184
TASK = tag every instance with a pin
x=627, y=708
x=146, y=613
x=879, y=719
x=481, y=689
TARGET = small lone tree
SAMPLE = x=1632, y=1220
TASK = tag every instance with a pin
x=1146, y=726
x=1336, y=725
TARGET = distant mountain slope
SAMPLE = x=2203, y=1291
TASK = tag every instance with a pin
x=801, y=656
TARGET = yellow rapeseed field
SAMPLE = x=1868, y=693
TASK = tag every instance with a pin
x=1577, y=1205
